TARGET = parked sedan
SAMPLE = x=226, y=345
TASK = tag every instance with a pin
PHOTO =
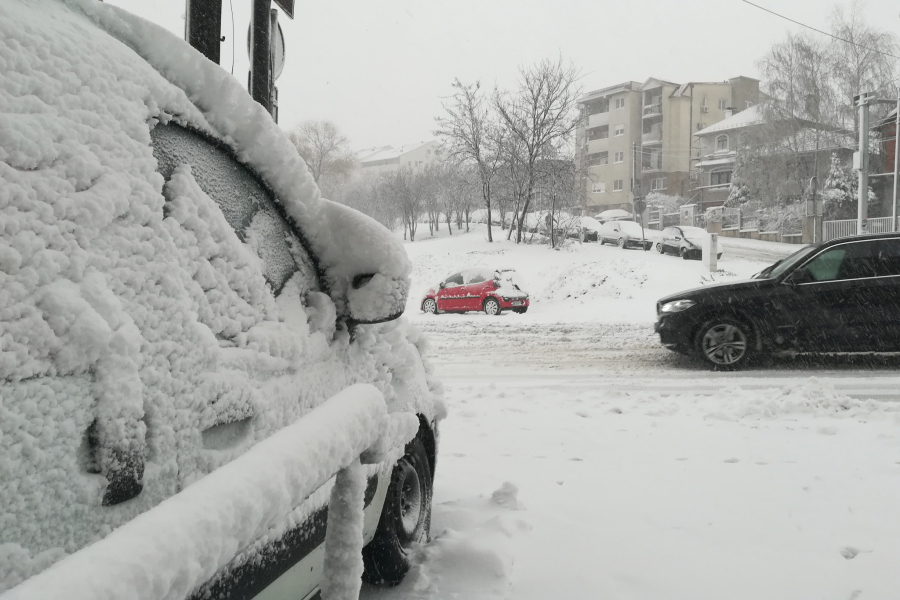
x=625, y=234
x=492, y=291
x=684, y=241
x=837, y=296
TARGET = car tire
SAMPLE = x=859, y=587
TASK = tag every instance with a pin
x=724, y=343
x=405, y=518
x=621, y=243
x=491, y=307
x=429, y=306
x=659, y=248
x=683, y=252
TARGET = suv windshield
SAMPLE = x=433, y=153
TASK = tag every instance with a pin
x=785, y=264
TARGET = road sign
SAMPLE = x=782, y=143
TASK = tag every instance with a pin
x=277, y=52
x=287, y=6
x=639, y=206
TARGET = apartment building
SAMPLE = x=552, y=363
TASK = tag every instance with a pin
x=387, y=158
x=607, y=138
x=672, y=113
x=654, y=122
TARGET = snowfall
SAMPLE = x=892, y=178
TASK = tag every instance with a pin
x=580, y=459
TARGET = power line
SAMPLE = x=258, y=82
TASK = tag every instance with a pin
x=231, y=8
x=818, y=30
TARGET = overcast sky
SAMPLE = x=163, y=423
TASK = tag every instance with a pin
x=379, y=69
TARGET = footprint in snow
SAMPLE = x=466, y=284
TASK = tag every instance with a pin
x=732, y=460
x=849, y=553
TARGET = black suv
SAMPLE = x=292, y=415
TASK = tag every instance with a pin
x=837, y=296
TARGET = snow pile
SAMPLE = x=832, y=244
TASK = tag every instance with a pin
x=170, y=550
x=587, y=282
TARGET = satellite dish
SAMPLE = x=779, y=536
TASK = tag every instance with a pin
x=278, y=47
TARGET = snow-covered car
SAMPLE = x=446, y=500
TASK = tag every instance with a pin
x=624, y=234
x=204, y=389
x=683, y=241
x=490, y=290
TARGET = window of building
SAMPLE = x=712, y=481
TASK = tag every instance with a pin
x=617, y=185
x=620, y=129
x=723, y=104
x=703, y=102
x=597, y=159
x=620, y=103
x=658, y=183
x=600, y=105
x=598, y=133
x=721, y=143
x=720, y=177
x=619, y=157
x=599, y=187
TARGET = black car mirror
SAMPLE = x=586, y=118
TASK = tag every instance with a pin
x=677, y=239
x=442, y=285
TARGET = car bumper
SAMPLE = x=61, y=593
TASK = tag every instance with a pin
x=513, y=303
x=674, y=330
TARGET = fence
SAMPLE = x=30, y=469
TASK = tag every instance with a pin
x=843, y=228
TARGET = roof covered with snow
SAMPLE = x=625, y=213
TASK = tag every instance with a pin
x=391, y=153
x=745, y=118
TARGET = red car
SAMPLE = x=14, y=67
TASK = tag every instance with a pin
x=492, y=291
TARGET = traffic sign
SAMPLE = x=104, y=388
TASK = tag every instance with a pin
x=287, y=6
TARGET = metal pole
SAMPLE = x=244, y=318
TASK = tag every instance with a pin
x=894, y=226
x=863, y=189
x=260, y=51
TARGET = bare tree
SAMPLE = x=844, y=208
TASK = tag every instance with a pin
x=326, y=152
x=472, y=137
x=540, y=115
x=862, y=63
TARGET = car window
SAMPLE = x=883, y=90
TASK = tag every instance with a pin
x=248, y=206
x=454, y=280
x=888, y=263
x=476, y=278
x=825, y=266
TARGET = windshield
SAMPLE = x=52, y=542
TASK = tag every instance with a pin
x=785, y=264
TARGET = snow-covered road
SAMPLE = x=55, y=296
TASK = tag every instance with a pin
x=582, y=460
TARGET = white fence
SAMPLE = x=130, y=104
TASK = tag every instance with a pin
x=836, y=229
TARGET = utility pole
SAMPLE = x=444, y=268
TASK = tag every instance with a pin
x=260, y=53
x=862, y=213
x=894, y=225
x=203, y=27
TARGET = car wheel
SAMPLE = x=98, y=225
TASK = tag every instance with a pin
x=659, y=248
x=491, y=307
x=405, y=519
x=725, y=343
x=620, y=242
x=429, y=306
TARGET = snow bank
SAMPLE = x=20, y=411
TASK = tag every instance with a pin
x=170, y=550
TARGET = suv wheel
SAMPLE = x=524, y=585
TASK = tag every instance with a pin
x=405, y=519
x=725, y=343
x=429, y=306
x=620, y=242
x=491, y=307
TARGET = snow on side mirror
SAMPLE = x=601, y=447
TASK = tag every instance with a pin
x=375, y=298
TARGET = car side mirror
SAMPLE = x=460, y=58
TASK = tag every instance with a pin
x=442, y=285
x=799, y=276
x=677, y=238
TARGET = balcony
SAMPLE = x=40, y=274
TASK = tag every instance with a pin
x=598, y=119
x=651, y=137
x=651, y=164
x=652, y=110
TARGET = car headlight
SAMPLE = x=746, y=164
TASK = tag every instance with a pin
x=676, y=306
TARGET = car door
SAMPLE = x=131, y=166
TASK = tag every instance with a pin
x=877, y=324
x=835, y=298
x=476, y=287
x=449, y=296
x=668, y=240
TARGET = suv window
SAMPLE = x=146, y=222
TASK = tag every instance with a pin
x=888, y=259
x=248, y=206
x=454, y=280
x=856, y=260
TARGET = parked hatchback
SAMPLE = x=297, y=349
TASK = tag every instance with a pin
x=490, y=290
x=838, y=296
x=684, y=241
x=175, y=296
x=625, y=234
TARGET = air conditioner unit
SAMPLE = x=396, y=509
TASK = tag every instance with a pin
x=704, y=109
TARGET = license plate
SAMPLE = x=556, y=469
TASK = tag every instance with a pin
x=518, y=302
